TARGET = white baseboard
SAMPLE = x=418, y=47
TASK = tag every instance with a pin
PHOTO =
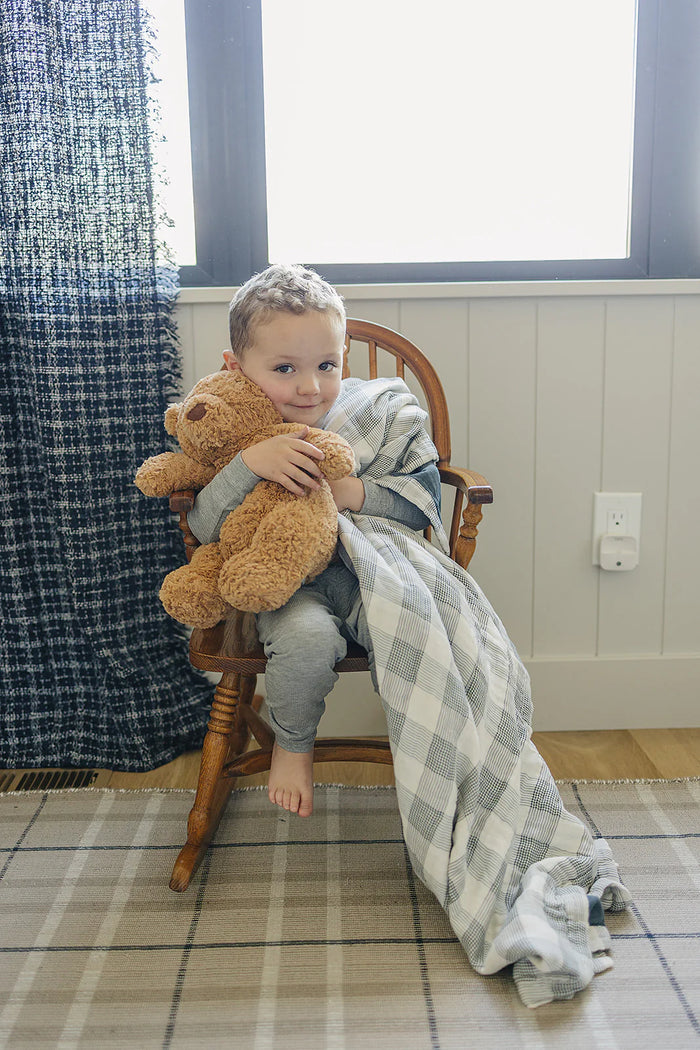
x=618, y=692
x=622, y=692
x=635, y=692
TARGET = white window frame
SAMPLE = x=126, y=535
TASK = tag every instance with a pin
x=224, y=49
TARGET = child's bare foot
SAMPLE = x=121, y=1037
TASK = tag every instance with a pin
x=291, y=783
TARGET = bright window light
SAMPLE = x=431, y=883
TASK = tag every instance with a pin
x=173, y=155
x=452, y=131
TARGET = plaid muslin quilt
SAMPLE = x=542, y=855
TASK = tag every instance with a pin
x=483, y=821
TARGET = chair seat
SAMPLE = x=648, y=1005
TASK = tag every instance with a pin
x=233, y=646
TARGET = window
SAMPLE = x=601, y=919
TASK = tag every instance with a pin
x=500, y=141
x=173, y=143
x=443, y=140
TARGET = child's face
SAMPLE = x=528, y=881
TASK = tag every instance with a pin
x=296, y=359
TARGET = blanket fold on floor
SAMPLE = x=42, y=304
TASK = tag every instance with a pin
x=484, y=824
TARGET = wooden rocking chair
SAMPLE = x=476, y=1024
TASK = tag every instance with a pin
x=233, y=648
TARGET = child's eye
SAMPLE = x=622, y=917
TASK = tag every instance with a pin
x=328, y=366
x=284, y=369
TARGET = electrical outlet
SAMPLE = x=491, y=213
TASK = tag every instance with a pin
x=616, y=522
x=615, y=514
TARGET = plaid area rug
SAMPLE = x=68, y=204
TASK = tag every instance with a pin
x=315, y=934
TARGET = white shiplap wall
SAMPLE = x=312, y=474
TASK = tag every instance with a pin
x=556, y=391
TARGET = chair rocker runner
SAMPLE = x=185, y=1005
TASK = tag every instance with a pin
x=232, y=647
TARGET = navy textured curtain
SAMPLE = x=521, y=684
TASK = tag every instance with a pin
x=93, y=671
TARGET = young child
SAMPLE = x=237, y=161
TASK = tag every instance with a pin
x=287, y=329
x=483, y=822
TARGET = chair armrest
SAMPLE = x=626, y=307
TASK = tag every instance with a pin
x=463, y=527
x=475, y=487
x=181, y=503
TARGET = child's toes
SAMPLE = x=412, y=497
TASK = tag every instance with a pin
x=305, y=807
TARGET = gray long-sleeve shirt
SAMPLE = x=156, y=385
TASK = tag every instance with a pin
x=233, y=483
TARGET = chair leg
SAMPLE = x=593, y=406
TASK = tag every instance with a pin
x=466, y=541
x=227, y=736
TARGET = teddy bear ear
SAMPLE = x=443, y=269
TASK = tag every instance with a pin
x=171, y=415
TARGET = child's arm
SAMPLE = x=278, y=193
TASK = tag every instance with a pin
x=381, y=502
x=217, y=499
x=275, y=459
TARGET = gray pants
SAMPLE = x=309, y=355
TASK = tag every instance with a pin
x=303, y=641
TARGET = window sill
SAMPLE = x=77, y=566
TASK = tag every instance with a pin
x=480, y=290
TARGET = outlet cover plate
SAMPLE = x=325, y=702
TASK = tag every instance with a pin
x=604, y=503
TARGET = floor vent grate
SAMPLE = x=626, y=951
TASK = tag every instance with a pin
x=47, y=779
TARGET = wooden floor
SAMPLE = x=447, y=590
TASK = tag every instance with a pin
x=605, y=755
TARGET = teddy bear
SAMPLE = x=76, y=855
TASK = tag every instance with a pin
x=270, y=544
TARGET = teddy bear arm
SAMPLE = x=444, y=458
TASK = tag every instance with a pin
x=163, y=474
x=339, y=459
x=193, y=475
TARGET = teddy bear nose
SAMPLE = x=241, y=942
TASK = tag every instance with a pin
x=198, y=412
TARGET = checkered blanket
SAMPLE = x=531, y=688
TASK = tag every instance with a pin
x=483, y=821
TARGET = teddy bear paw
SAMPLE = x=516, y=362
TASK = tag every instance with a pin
x=197, y=605
x=154, y=478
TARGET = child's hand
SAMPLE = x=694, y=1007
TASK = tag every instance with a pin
x=348, y=493
x=287, y=459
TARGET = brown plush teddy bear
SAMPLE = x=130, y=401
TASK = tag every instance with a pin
x=274, y=540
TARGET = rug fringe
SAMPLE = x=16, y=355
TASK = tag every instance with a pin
x=100, y=791
x=572, y=781
x=632, y=780
x=178, y=791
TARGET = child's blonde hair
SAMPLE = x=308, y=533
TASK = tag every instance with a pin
x=280, y=288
